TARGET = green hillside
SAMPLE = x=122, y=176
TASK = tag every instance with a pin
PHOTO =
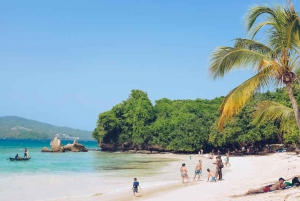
x=21, y=128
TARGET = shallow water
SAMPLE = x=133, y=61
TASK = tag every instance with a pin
x=62, y=175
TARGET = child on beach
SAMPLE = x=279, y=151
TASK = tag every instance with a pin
x=135, y=186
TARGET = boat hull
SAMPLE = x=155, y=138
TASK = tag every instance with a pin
x=19, y=159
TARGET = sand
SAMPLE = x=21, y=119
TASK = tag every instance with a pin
x=245, y=172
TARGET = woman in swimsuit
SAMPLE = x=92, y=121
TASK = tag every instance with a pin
x=183, y=173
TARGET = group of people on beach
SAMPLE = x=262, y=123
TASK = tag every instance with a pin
x=211, y=174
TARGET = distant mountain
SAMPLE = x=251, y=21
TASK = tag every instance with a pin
x=21, y=128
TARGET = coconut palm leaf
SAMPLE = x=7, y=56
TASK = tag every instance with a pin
x=268, y=110
x=245, y=53
x=238, y=97
x=255, y=12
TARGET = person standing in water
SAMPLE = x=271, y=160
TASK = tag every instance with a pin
x=198, y=170
x=183, y=173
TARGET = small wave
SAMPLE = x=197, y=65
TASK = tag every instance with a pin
x=74, y=196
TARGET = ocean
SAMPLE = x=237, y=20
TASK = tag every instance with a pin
x=63, y=176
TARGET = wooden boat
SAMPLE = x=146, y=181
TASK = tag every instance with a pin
x=19, y=159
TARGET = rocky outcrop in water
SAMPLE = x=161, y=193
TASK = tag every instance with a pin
x=56, y=146
x=75, y=147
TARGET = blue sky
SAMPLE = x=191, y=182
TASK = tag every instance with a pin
x=64, y=62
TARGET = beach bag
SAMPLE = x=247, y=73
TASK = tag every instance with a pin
x=296, y=181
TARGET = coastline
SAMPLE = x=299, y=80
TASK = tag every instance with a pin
x=165, y=182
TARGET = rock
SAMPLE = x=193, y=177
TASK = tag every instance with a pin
x=108, y=147
x=156, y=148
x=45, y=149
x=79, y=148
x=274, y=147
x=56, y=145
x=291, y=148
x=154, y=152
x=75, y=147
x=132, y=151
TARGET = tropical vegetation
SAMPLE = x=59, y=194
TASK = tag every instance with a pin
x=187, y=125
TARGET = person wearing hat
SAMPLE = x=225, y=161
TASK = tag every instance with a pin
x=276, y=186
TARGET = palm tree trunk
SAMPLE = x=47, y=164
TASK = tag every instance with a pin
x=294, y=104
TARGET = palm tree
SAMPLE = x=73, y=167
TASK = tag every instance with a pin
x=273, y=62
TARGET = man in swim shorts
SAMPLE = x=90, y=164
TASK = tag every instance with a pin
x=276, y=186
x=183, y=173
x=198, y=170
x=211, y=174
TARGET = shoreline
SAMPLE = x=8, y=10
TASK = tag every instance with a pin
x=165, y=182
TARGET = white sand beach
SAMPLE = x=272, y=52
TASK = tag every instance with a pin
x=246, y=172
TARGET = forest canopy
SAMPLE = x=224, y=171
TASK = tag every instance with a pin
x=188, y=125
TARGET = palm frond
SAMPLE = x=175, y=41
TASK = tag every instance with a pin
x=273, y=111
x=238, y=97
x=255, y=12
x=245, y=53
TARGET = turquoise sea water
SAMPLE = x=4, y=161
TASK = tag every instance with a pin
x=69, y=162
x=80, y=176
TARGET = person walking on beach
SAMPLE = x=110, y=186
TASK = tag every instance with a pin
x=198, y=170
x=227, y=159
x=183, y=172
x=135, y=186
x=211, y=174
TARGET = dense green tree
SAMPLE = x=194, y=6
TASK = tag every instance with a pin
x=188, y=125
